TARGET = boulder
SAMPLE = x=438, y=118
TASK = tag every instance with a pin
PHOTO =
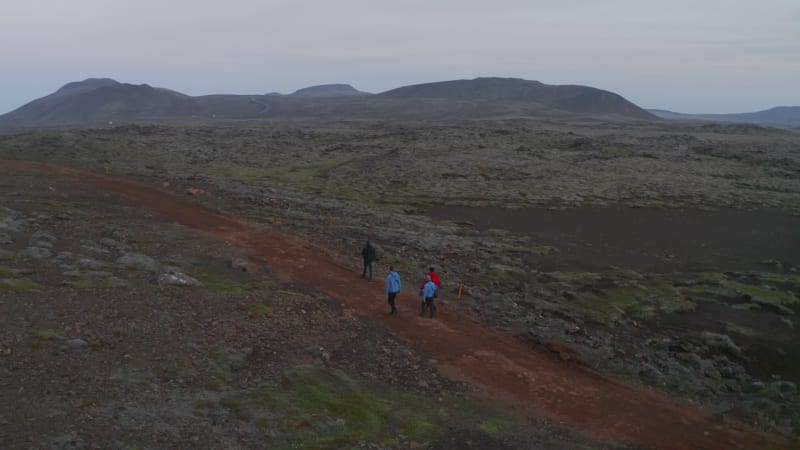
x=35, y=253
x=42, y=239
x=138, y=261
x=177, y=279
x=721, y=342
x=242, y=265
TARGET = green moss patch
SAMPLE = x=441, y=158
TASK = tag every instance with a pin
x=498, y=425
x=38, y=340
x=696, y=278
x=732, y=328
x=57, y=204
x=16, y=285
x=223, y=363
x=317, y=407
x=259, y=309
x=544, y=250
x=636, y=301
x=241, y=173
x=746, y=306
x=215, y=284
x=617, y=275
x=499, y=273
x=748, y=296
x=571, y=277
x=48, y=335
x=771, y=298
x=771, y=278
x=291, y=293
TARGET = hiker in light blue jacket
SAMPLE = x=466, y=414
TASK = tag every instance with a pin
x=428, y=296
x=393, y=285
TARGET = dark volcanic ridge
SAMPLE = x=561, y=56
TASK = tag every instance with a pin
x=103, y=101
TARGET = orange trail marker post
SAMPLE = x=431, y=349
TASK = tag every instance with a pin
x=460, y=289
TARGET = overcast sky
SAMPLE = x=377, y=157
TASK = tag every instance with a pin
x=693, y=56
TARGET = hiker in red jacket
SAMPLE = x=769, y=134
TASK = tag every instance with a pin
x=435, y=278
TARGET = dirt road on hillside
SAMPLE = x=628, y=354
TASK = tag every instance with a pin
x=506, y=367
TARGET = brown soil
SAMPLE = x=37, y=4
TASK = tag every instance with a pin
x=539, y=382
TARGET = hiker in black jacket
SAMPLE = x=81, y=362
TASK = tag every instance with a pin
x=368, y=253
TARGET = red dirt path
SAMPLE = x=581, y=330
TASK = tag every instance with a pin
x=511, y=370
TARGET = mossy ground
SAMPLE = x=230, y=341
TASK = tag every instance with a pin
x=320, y=407
x=623, y=293
x=522, y=164
x=18, y=285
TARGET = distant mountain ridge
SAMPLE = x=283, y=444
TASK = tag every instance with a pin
x=779, y=116
x=100, y=101
x=328, y=90
x=87, y=84
x=570, y=98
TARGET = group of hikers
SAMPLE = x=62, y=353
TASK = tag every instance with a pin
x=428, y=291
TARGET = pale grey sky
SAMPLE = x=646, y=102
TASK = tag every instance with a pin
x=693, y=56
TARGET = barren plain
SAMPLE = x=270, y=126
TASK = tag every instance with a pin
x=654, y=262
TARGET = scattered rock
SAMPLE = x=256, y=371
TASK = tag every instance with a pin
x=69, y=441
x=721, y=342
x=177, y=279
x=116, y=282
x=74, y=344
x=138, y=261
x=11, y=220
x=772, y=263
x=569, y=295
x=42, y=239
x=730, y=372
x=317, y=351
x=96, y=249
x=134, y=375
x=242, y=265
x=783, y=388
x=35, y=253
x=121, y=235
x=91, y=264
x=651, y=375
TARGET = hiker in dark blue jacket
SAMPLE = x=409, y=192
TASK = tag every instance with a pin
x=393, y=285
x=368, y=253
